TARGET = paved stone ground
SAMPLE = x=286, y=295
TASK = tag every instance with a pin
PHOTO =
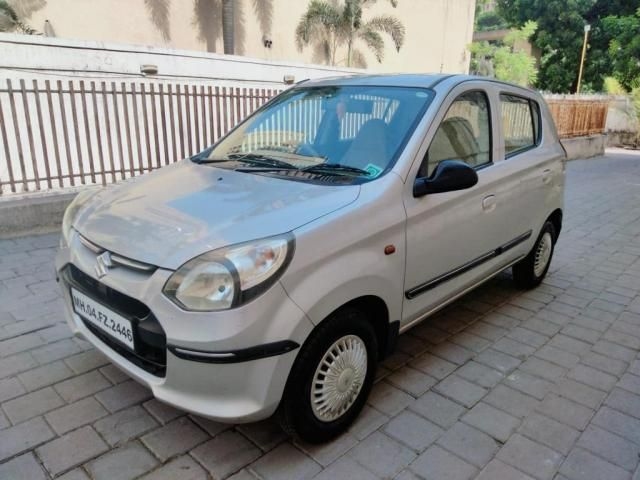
x=502, y=385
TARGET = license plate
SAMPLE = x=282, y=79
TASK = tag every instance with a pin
x=108, y=321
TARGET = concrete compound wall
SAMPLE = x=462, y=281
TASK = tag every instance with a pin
x=584, y=147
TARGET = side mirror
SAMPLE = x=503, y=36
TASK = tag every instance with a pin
x=450, y=175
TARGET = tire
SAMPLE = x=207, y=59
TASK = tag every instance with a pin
x=349, y=330
x=531, y=270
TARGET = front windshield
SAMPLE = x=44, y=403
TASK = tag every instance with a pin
x=355, y=132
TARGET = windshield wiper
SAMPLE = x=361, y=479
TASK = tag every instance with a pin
x=335, y=168
x=252, y=159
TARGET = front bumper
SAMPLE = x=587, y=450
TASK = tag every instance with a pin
x=230, y=366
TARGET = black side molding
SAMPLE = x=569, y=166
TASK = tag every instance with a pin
x=451, y=274
x=235, y=356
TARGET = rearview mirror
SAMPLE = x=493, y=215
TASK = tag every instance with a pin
x=450, y=175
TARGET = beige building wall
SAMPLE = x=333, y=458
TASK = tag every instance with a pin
x=437, y=31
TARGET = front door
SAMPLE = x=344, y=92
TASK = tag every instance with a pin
x=453, y=238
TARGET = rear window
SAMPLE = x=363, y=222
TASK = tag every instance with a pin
x=520, y=123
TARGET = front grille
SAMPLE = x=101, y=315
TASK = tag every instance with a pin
x=149, y=337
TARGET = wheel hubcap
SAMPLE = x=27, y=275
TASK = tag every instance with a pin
x=339, y=378
x=543, y=254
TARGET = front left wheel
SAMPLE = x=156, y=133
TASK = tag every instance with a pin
x=331, y=378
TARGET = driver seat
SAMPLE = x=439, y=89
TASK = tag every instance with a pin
x=368, y=146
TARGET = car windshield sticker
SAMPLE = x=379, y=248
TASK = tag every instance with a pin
x=373, y=170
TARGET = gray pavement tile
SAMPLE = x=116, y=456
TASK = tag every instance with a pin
x=496, y=423
x=480, y=374
x=527, y=383
x=433, y=366
x=549, y=432
x=382, y=455
x=592, y=377
x=346, y=468
x=32, y=404
x=413, y=431
x=438, y=409
x=123, y=395
x=438, y=464
x=174, y=438
x=10, y=388
x=469, y=443
x=618, y=423
x=452, y=352
x=511, y=401
x=24, y=436
x=25, y=466
x=389, y=399
x=530, y=457
x=45, y=375
x=182, y=468
x=582, y=465
x=82, y=386
x=71, y=450
x=123, y=463
x=579, y=392
x=500, y=361
x=412, y=381
x=285, y=463
x=630, y=383
x=162, y=412
x=266, y=434
x=613, y=448
x=86, y=361
x=80, y=413
x=226, y=454
x=327, y=453
x=604, y=363
x=624, y=401
x=497, y=470
x=367, y=422
x=119, y=428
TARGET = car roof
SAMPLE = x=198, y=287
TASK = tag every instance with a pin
x=424, y=80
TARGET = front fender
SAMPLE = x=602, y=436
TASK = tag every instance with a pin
x=342, y=256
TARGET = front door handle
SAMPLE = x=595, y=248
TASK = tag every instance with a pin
x=489, y=203
x=546, y=176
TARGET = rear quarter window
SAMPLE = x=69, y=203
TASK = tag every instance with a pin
x=520, y=124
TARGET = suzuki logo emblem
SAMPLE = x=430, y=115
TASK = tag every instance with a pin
x=103, y=264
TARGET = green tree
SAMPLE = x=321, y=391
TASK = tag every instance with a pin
x=331, y=25
x=624, y=48
x=559, y=36
x=507, y=60
x=10, y=22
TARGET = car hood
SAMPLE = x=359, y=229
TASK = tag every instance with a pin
x=174, y=214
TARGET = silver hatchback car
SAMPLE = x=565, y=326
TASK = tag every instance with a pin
x=271, y=272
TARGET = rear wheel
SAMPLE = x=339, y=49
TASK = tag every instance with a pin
x=331, y=378
x=531, y=270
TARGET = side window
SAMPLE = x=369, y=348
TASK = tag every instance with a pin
x=464, y=134
x=520, y=123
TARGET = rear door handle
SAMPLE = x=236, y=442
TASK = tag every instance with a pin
x=489, y=203
x=546, y=176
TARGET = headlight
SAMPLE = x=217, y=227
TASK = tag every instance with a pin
x=71, y=213
x=231, y=276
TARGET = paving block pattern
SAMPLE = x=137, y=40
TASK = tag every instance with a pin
x=502, y=384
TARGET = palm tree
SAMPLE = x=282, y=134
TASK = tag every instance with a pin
x=9, y=20
x=331, y=25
